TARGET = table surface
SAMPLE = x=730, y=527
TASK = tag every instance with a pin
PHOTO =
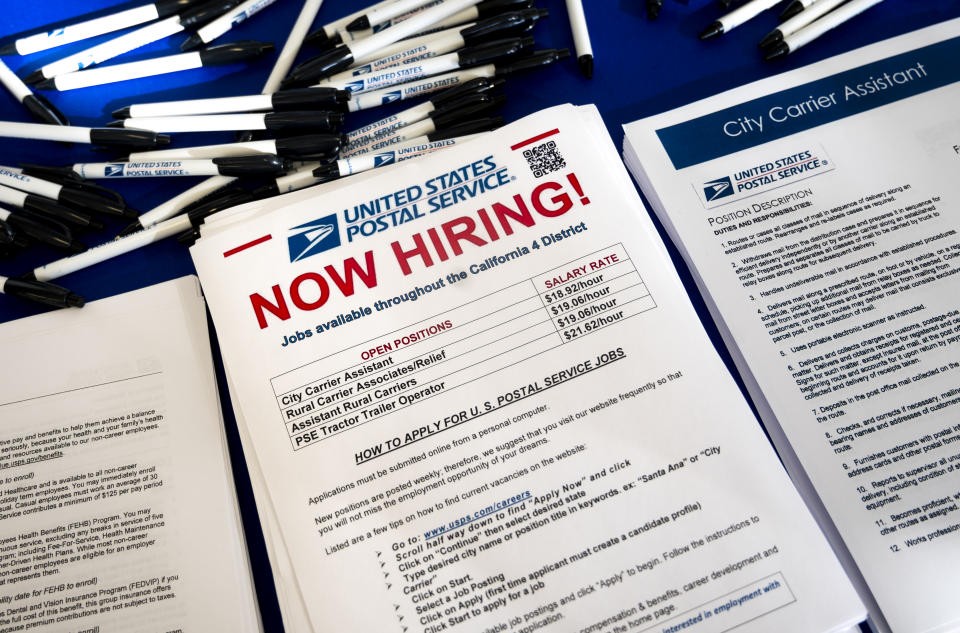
x=641, y=68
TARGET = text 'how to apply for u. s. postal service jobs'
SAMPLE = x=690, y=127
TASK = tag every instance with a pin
x=481, y=401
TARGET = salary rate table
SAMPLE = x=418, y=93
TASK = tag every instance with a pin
x=457, y=347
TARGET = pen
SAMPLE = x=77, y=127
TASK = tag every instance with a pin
x=413, y=89
x=831, y=20
x=454, y=113
x=413, y=148
x=328, y=30
x=162, y=230
x=178, y=203
x=251, y=165
x=736, y=17
x=51, y=233
x=209, y=32
x=40, y=292
x=317, y=98
x=307, y=147
x=378, y=15
x=464, y=58
x=142, y=139
x=362, y=136
x=292, y=46
x=799, y=21
x=48, y=208
x=512, y=23
x=130, y=41
x=97, y=26
x=484, y=9
x=581, y=37
x=224, y=200
x=344, y=55
x=15, y=178
x=214, y=56
x=295, y=120
x=38, y=105
x=796, y=7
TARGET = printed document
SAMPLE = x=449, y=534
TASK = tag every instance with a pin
x=117, y=507
x=818, y=210
x=478, y=399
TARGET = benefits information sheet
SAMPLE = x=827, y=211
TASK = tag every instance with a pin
x=819, y=209
x=479, y=400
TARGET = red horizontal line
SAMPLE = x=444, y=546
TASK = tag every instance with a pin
x=535, y=139
x=243, y=247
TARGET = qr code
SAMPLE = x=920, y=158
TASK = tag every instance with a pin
x=544, y=158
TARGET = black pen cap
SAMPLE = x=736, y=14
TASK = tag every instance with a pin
x=257, y=164
x=7, y=234
x=312, y=146
x=315, y=98
x=49, y=208
x=329, y=63
x=475, y=126
x=492, y=7
x=303, y=119
x=466, y=108
x=44, y=111
x=534, y=60
x=234, y=52
x=324, y=41
x=43, y=292
x=93, y=202
x=503, y=25
x=166, y=8
x=492, y=51
x=225, y=199
x=127, y=137
x=479, y=84
x=46, y=231
x=196, y=17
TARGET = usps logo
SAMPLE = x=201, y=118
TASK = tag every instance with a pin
x=314, y=238
x=719, y=188
x=390, y=97
x=383, y=159
x=354, y=86
x=362, y=70
x=113, y=170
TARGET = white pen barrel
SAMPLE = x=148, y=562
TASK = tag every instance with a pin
x=13, y=197
x=419, y=88
x=42, y=132
x=444, y=44
x=362, y=49
x=209, y=151
x=131, y=70
x=250, y=103
x=176, y=204
x=200, y=123
x=331, y=27
x=578, y=24
x=831, y=20
x=378, y=128
x=13, y=83
x=807, y=16
x=396, y=9
x=147, y=169
x=399, y=74
x=402, y=45
x=109, y=250
x=113, y=48
x=84, y=30
x=745, y=12
x=225, y=22
x=291, y=47
x=302, y=177
x=15, y=179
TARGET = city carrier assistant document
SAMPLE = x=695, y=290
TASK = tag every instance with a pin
x=479, y=400
x=820, y=211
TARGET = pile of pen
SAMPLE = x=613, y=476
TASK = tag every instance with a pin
x=801, y=21
x=456, y=53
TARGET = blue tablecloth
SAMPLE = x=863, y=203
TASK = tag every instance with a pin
x=642, y=68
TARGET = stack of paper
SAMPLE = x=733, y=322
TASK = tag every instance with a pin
x=817, y=210
x=117, y=507
x=474, y=396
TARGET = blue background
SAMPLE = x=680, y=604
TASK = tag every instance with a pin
x=642, y=68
